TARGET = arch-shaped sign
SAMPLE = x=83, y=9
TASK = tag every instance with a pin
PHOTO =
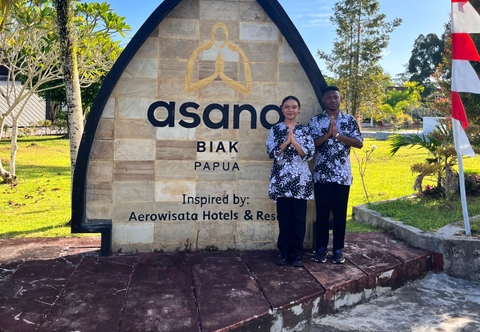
x=173, y=155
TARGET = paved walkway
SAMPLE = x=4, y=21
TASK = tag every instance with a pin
x=436, y=303
x=63, y=285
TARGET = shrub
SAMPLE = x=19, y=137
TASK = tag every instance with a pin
x=472, y=184
x=442, y=159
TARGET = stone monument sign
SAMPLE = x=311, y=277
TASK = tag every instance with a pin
x=173, y=155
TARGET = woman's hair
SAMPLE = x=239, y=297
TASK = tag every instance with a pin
x=288, y=98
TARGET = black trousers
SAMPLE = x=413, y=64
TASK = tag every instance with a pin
x=331, y=197
x=291, y=215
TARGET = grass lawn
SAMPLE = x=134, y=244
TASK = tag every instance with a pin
x=39, y=204
x=389, y=177
x=428, y=214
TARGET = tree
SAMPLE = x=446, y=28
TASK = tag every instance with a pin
x=57, y=98
x=398, y=105
x=374, y=95
x=68, y=48
x=5, y=6
x=102, y=43
x=27, y=53
x=426, y=56
x=362, y=36
x=7, y=176
x=30, y=48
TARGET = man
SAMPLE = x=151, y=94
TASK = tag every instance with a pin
x=334, y=132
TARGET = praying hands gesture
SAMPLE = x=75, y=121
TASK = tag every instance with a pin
x=332, y=129
x=333, y=133
x=291, y=140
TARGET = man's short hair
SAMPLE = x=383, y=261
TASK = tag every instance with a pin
x=330, y=88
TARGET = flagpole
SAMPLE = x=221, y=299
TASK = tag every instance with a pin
x=465, y=20
x=463, y=196
x=463, y=147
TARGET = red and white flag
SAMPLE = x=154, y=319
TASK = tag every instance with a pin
x=465, y=20
x=465, y=17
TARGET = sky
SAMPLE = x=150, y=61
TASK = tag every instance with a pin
x=312, y=19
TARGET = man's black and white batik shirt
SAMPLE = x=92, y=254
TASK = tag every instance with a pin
x=332, y=161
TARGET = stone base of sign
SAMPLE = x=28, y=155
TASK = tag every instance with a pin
x=178, y=236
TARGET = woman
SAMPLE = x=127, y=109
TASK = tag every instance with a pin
x=291, y=146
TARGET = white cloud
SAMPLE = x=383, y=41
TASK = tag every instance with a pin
x=386, y=52
x=320, y=15
x=316, y=23
x=309, y=13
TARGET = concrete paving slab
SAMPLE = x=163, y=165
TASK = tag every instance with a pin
x=164, y=271
x=335, y=277
x=223, y=280
x=218, y=268
x=28, y=295
x=94, y=296
x=283, y=285
x=25, y=249
x=221, y=306
x=161, y=295
x=156, y=308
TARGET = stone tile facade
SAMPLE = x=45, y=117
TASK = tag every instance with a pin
x=197, y=177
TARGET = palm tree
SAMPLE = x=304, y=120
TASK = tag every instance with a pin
x=439, y=143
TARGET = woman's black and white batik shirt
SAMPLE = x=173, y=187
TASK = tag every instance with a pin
x=332, y=161
x=290, y=175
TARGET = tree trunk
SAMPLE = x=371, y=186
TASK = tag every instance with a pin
x=66, y=31
x=13, y=145
x=2, y=121
x=55, y=107
x=7, y=176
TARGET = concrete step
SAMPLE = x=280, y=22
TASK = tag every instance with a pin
x=76, y=289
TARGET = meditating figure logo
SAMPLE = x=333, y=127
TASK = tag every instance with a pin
x=212, y=45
